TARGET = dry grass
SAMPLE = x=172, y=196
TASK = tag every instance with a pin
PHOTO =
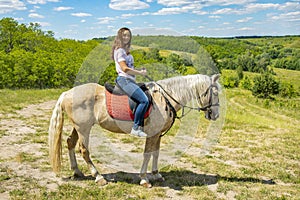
x=257, y=155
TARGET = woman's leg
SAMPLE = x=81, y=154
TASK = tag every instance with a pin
x=138, y=95
x=141, y=108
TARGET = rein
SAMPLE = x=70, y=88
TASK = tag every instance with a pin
x=209, y=89
x=205, y=108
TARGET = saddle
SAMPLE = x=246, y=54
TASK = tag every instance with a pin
x=120, y=106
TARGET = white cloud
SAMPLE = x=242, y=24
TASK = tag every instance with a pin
x=224, y=11
x=247, y=19
x=214, y=17
x=246, y=29
x=229, y=2
x=204, y=3
x=127, y=5
x=260, y=6
x=200, y=12
x=289, y=6
x=180, y=6
x=8, y=6
x=44, y=24
x=174, y=2
x=62, y=8
x=291, y=16
x=35, y=15
x=256, y=7
x=145, y=13
x=170, y=11
x=105, y=20
x=35, y=8
x=41, y=1
x=124, y=16
x=19, y=19
x=81, y=14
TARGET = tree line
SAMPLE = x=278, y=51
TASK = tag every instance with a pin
x=32, y=58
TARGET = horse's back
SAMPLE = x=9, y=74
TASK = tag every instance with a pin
x=79, y=102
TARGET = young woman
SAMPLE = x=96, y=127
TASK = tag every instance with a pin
x=126, y=78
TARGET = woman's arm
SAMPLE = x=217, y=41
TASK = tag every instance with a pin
x=130, y=71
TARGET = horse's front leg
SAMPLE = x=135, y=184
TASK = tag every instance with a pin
x=156, y=176
x=143, y=174
x=151, y=148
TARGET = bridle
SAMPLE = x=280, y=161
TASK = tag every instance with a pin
x=210, y=103
x=206, y=108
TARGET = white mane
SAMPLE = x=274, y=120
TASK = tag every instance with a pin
x=186, y=88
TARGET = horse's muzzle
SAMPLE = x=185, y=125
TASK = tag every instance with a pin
x=210, y=116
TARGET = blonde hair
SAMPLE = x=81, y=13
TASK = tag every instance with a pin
x=118, y=42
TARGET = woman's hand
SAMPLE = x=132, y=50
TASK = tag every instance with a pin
x=130, y=71
x=143, y=72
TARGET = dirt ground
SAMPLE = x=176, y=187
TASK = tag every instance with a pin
x=16, y=143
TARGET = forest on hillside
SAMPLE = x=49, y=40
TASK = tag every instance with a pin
x=32, y=58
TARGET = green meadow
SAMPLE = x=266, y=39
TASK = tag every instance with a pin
x=256, y=156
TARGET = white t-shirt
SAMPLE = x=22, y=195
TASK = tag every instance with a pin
x=121, y=55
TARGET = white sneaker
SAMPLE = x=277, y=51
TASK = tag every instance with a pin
x=138, y=133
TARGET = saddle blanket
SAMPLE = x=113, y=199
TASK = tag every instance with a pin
x=118, y=107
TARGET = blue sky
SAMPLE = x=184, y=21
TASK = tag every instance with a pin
x=86, y=19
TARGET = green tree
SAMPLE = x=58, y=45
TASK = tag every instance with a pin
x=174, y=61
x=247, y=62
x=287, y=90
x=265, y=85
x=240, y=73
x=204, y=63
x=153, y=54
x=8, y=34
x=246, y=83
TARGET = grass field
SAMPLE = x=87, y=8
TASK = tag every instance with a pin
x=257, y=155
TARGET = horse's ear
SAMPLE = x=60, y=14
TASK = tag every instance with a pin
x=215, y=77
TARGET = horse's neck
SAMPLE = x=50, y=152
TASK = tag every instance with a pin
x=183, y=89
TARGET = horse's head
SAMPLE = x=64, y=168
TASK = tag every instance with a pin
x=210, y=99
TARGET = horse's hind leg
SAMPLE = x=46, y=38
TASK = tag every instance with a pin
x=83, y=145
x=72, y=141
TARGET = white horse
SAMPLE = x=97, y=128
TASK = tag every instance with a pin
x=85, y=105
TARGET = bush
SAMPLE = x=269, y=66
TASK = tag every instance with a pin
x=230, y=81
x=265, y=86
x=246, y=83
x=287, y=90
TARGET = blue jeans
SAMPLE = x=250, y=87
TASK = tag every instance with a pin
x=136, y=94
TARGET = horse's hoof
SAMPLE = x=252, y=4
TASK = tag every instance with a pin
x=145, y=184
x=100, y=180
x=78, y=174
x=158, y=177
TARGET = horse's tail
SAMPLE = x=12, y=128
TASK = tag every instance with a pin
x=55, y=135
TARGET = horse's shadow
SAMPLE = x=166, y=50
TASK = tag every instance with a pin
x=177, y=179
